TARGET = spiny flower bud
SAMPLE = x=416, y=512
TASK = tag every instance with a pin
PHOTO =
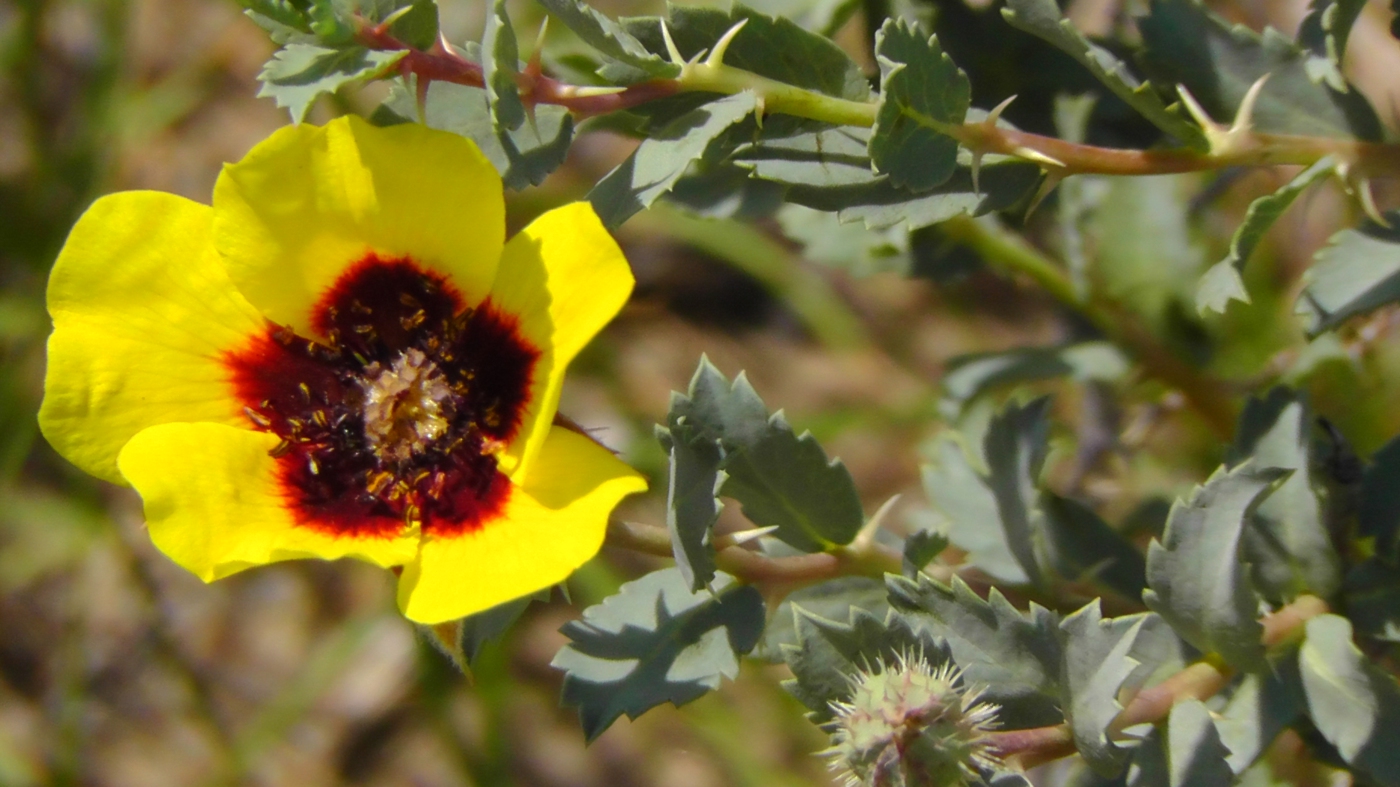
x=912, y=724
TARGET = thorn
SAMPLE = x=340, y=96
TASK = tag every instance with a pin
x=976, y=172
x=865, y=539
x=532, y=66
x=388, y=21
x=671, y=51
x=1052, y=179
x=1031, y=154
x=742, y=537
x=995, y=115
x=1194, y=108
x=1368, y=202
x=697, y=57
x=722, y=45
x=586, y=91
x=758, y=112
x=1244, y=116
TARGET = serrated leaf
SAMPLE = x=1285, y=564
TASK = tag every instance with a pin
x=1097, y=661
x=828, y=653
x=1355, y=705
x=1042, y=18
x=1223, y=283
x=920, y=548
x=1081, y=547
x=654, y=642
x=661, y=160
x=921, y=89
x=780, y=479
x=724, y=190
x=500, y=56
x=692, y=507
x=836, y=599
x=524, y=157
x=1195, y=755
x=1186, y=44
x=1358, y=271
x=1198, y=580
x=966, y=377
x=785, y=480
x=609, y=38
x=1324, y=32
x=1287, y=544
x=958, y=489
x=284, y=20
x=849, y=247
x=1016, y=655
x=1261, y=707
x=299, y=73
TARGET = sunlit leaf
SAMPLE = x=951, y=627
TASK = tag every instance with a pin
x=1358, y=271
x=1354, y=704
x=920, y=88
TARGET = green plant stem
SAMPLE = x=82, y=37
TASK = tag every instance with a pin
x=1014, y=255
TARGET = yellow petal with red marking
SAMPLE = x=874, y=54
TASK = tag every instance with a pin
x=550, y=526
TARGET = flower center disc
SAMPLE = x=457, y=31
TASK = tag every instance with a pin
x=393, y=417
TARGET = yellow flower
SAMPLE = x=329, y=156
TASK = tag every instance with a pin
x=342, y=357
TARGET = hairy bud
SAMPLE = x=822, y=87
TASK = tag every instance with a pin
x=912, y=724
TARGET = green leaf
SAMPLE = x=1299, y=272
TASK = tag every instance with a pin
x=1324, y=32
x=1195, y=755
x=958, y=489
x=1262, y=706
x=1372, y=592
x=780, y=479
x=771, y=47
x=609, y=38
x=1353, y=703
x=967, y=377
x=469, y=635
x=1378, y=503
x=500, y=57
x=654, y=642
x=418, y=26
x=1186, y=44
x=661, y=160
x=1358, y=271
x=1222, y=283
x=1081, y=547
x=1042, y=18
x=921, y=90
x=859, y=251
x=524, y=157
x=1287, y=544
x=835, y=599
x=299, y=73
x=1016, y=655
x=1198, y=581
x=920, y=548
x=1097, y=662
x=828, y=654
x=692, y=507
x=785, y=480
x=284, y=20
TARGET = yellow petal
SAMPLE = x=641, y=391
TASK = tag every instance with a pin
x=142, y=312
x=214, y=503
x=548, y=528
x=564, y=278
x=310, y=201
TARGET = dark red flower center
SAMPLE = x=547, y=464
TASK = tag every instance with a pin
x=395, y=415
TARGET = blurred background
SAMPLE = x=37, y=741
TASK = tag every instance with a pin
x=118, y=668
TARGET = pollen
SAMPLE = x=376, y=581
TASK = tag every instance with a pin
x=406, y=406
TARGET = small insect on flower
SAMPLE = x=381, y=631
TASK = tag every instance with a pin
x=912, y=724
x=342, y=357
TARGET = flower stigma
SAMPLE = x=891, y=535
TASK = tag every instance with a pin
x=406, y=406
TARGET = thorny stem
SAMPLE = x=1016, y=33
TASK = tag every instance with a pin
x=1362, y=159
x=1199, y=681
